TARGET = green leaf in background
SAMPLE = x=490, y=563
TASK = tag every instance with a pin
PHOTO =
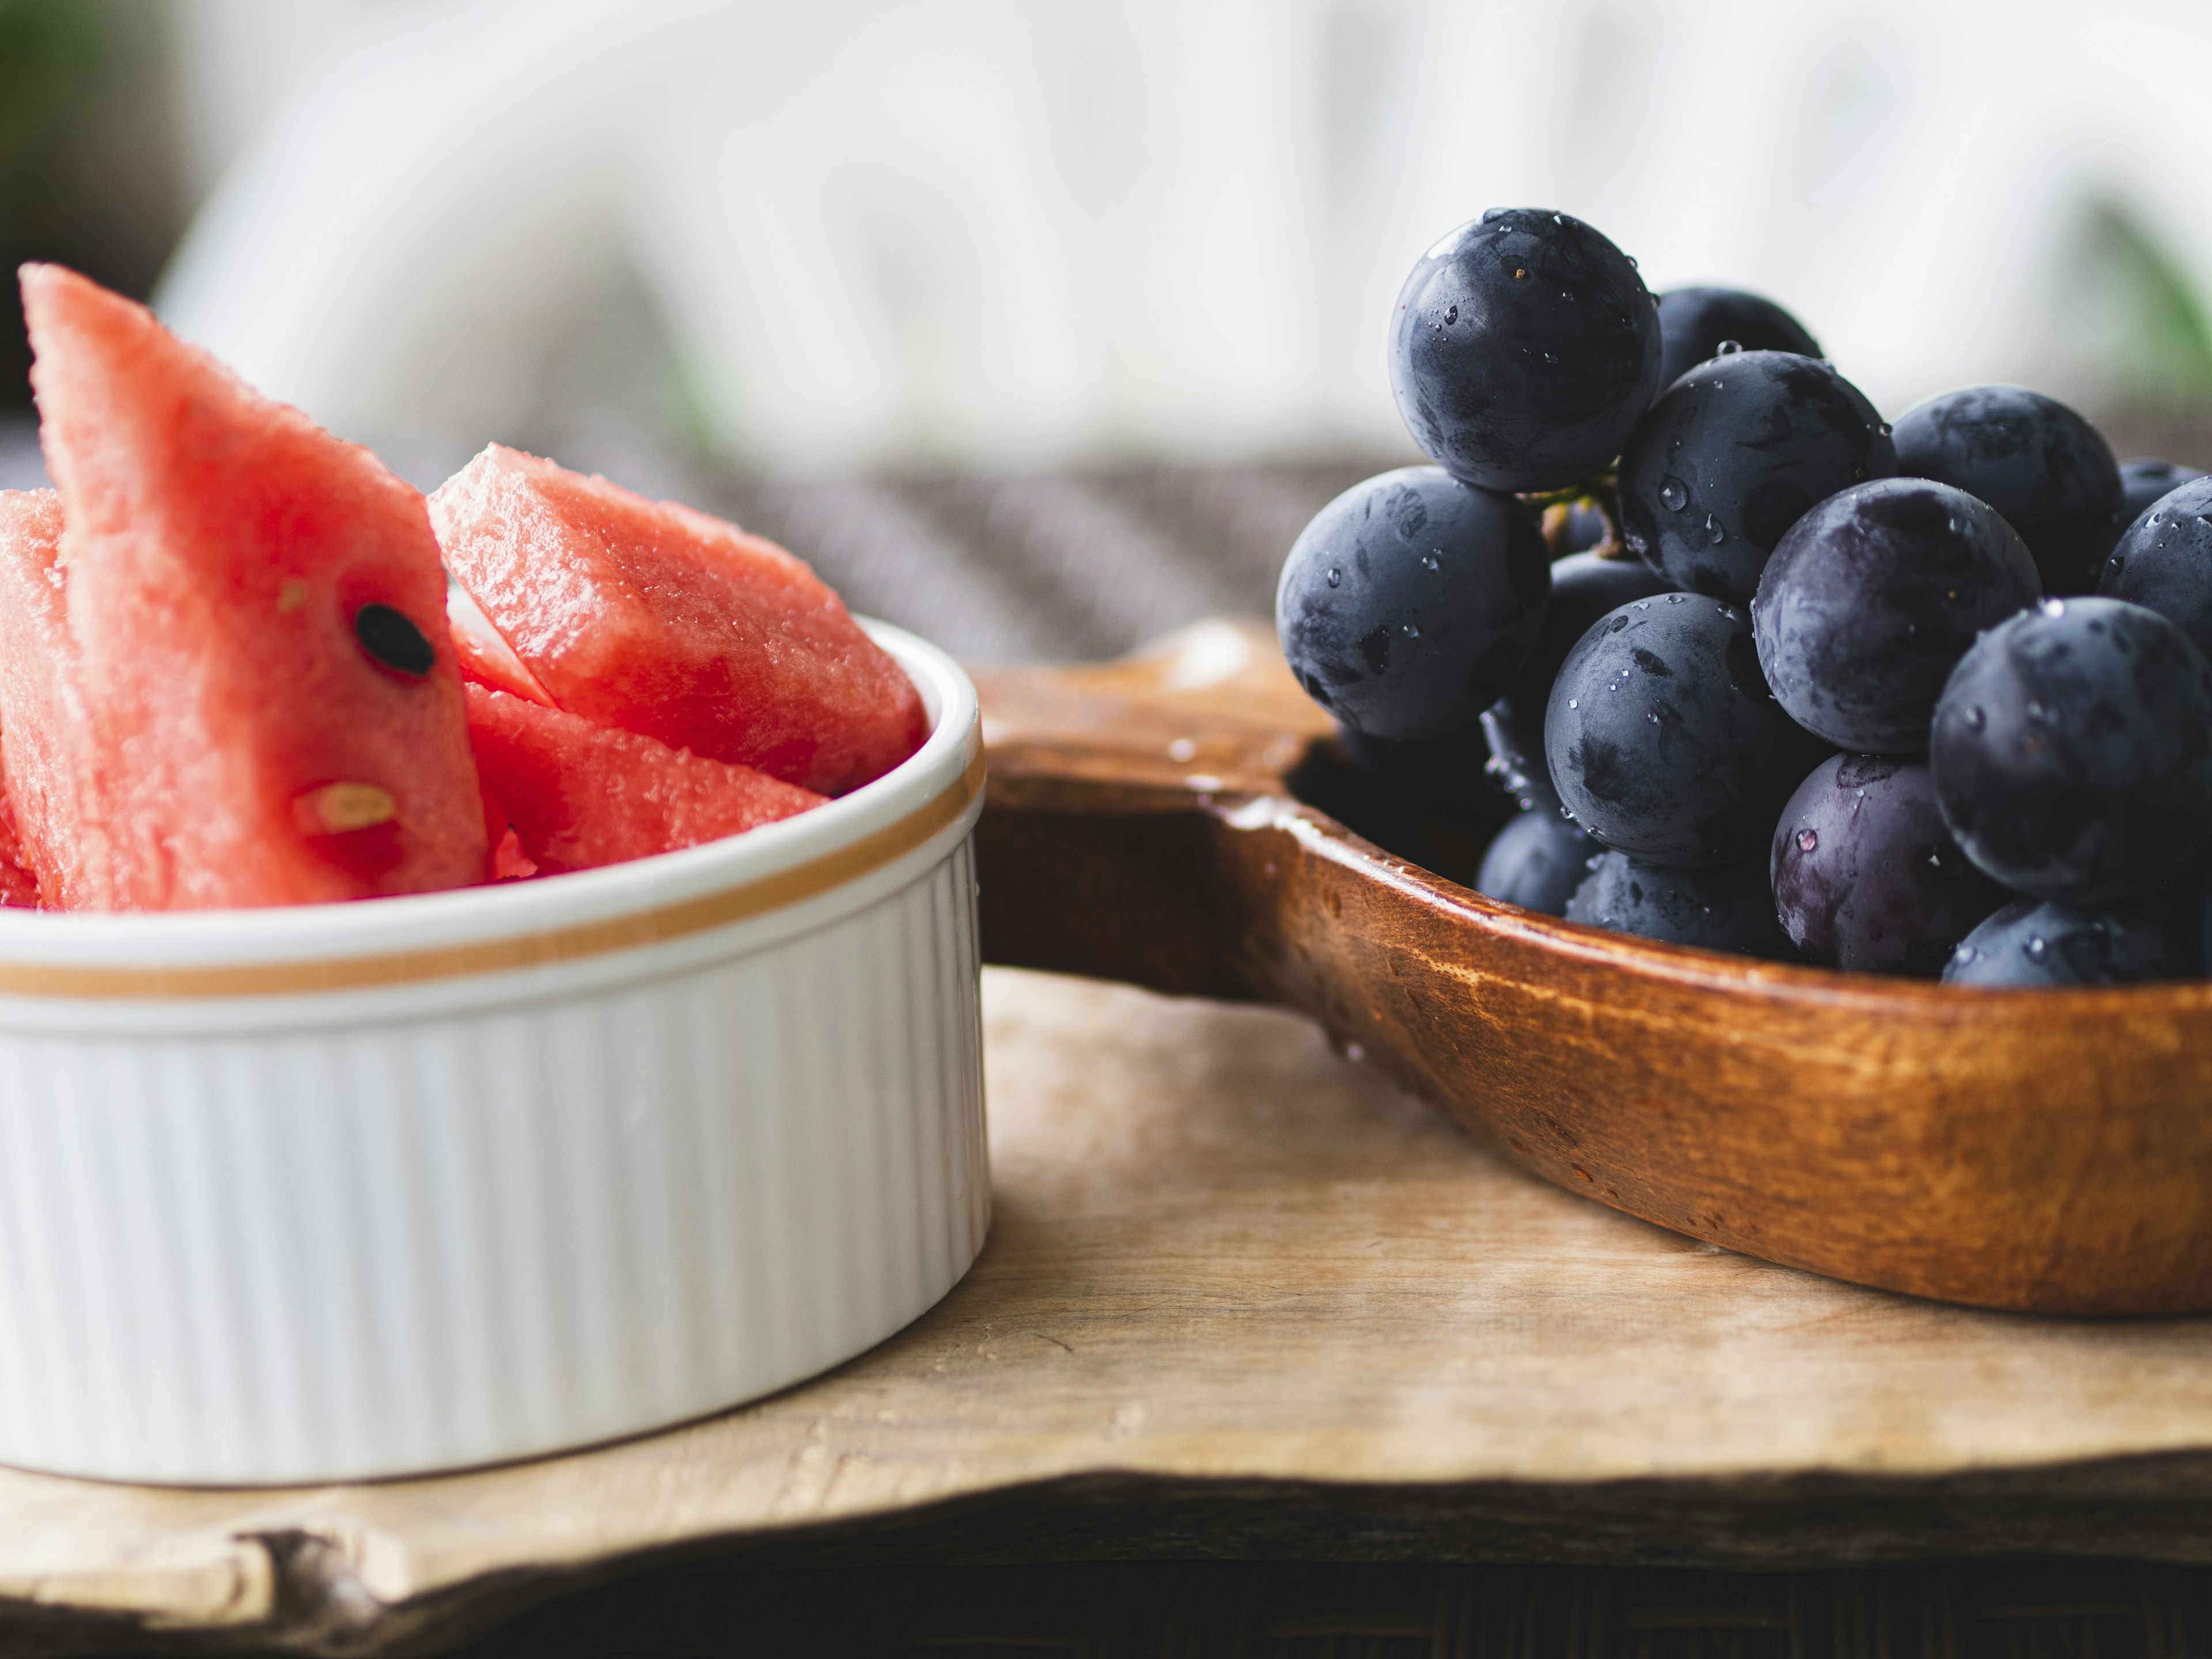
x=2144, y=331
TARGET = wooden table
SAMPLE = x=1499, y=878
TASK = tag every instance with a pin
x=1241, y=1297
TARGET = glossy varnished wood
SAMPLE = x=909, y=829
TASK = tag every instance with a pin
x=2044, y=1150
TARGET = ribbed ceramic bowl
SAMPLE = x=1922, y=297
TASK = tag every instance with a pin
x=353, y=1190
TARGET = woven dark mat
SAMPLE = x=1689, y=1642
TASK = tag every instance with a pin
x=1019, y=567
x=1333, y=1611
x=1045, y=567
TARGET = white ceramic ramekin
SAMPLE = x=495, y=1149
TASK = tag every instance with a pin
x=354, y=1190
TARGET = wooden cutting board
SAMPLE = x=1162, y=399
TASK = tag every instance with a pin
x=1241, y=1296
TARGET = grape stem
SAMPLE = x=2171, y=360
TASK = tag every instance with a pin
x=1601, y=493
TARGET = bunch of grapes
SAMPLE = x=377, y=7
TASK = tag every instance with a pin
x=1764, y=673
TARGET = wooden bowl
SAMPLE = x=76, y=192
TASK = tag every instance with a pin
x=1180, y=820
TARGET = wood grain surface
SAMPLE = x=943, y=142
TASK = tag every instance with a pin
x=1175, y=820
x=1243, y=1296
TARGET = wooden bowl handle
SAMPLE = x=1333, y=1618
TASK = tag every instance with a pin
x=1103, y=841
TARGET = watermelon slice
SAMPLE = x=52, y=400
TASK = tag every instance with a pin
x=52, y=762
x=19, y=888
x=649, y=617
x=484, y=657
x=267, y=706
x=580, y=794
x=30, y=539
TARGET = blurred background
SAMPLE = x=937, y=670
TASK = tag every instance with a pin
x=1043, y=325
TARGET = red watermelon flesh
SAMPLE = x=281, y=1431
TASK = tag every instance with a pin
x=257, y=614
x=54, y=810
x=19, y=888
x=580, y=794
x=649, y=617
x=485, y=657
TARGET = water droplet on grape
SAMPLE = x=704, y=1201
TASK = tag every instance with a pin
x=1674, y=493
x=1574, y=702
x=1674, y=599
x=2035, y=947
x=1976, y=719
x=1551, y=357
x=1431, y=561
x=1728, y=348
x=1409, y=630
x=1557, y=219
x=2038, y=713
x=1808, y=840
x=2054, y=607
x=1714, y=533
x=1335, y=576
x=2116, y=565
x=1885, y=429
x=1964, y=953
x=1451, y=316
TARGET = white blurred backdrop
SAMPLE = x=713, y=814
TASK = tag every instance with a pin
x=827, y=237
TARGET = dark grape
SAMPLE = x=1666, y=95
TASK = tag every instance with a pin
x=2036, y=461
x=1536, y=862
x=2163, y=560
x=1733, y=454
x=1584, y=528
x=2145, y=478
x=1694, y=323
x=1866, y=875
x=1872, y=599
x=2073, y=750
x=1663, y=740
x=1523, y=349
x=2042, y=942
x=1583, y=588
x=1411, y=602
x=1729, y=909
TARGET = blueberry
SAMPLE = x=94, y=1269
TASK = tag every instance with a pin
x=1537, y=862
x=1872, y=599
x=1411, y=602
x=2040, y=464
x=1729, y=909
x=2145, y=478
x=1523, y=348
x=2073, y=750
x=2042, y=942
x=1867, y=877
x=1663, y=740
x=2163, y=560
x=1583, y=588
x=1733, y=454
x=1694, y=323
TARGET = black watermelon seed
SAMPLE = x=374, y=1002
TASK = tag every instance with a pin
x=393, y=640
